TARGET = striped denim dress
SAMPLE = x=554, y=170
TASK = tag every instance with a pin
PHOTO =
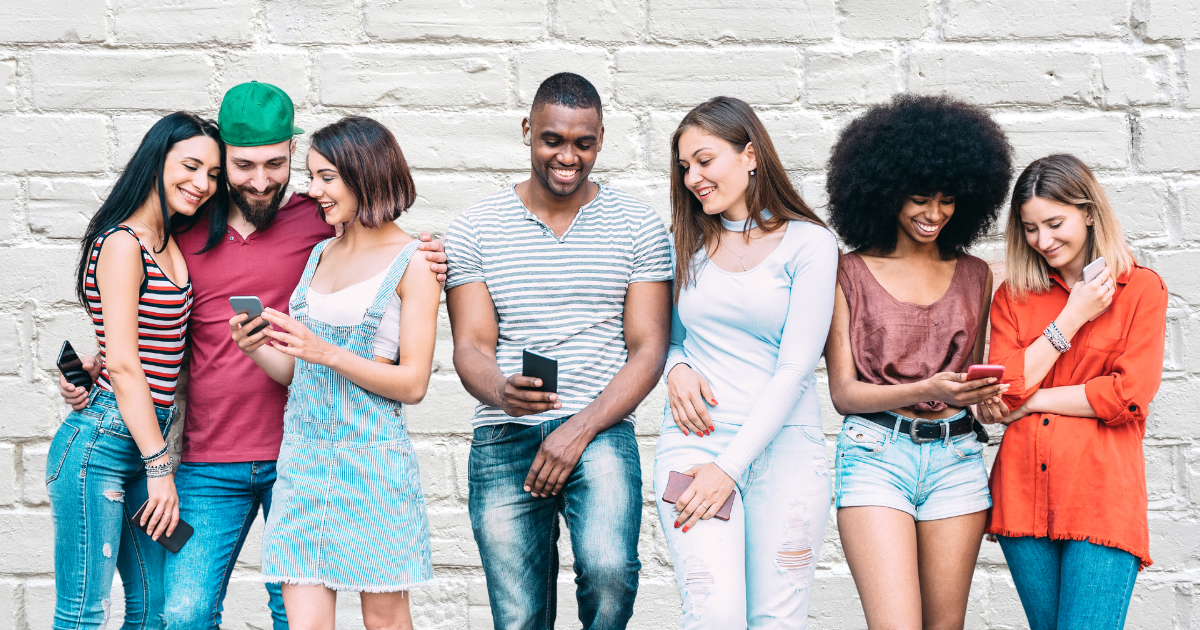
x=347, y=511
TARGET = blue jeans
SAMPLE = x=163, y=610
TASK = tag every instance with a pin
x=96, y=481
x=221, y=502
x=1071, y=584
x=517, y=533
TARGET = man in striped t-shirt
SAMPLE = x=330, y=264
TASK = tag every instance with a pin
x=579, y=272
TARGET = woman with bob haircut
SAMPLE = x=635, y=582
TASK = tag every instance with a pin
x=911, y=185
x=755, y=272
x=1083, y=359
x=110, y=457
x=348, y=512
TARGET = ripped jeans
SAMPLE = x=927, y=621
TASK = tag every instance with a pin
x=95, y=479
x=756, y=569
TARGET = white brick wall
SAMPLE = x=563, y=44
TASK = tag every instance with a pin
x=1114, y=81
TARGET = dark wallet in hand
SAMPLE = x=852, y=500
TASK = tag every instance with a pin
x=678, y=482
x=172, y=543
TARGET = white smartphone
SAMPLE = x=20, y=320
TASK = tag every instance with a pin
x=251, y=306
x=1093, y=269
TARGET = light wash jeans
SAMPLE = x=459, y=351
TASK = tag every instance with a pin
x=221, y=501
x=755, y=570
x=1070, y=584
x=96, y=481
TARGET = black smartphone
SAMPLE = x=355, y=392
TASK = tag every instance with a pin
x=72, y=368
x=172, y=543
x=251, y=306
x=540, y=366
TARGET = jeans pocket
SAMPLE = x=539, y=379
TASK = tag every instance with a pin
x=490, y=433
x=859, y=438
x=967, y=447
x=813, y=434
x=59, y=448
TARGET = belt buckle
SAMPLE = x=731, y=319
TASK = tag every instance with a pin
x=918, y=422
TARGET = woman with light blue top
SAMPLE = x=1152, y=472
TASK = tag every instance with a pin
x=755, y=277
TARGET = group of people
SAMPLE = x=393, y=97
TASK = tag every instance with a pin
x=299, y=411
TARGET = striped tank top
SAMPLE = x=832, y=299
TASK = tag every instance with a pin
x=163, y=310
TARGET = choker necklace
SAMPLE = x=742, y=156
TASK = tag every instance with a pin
x=747, y=225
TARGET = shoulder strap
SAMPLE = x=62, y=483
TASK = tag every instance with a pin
x=388, y=287
x=300, y=295
x=99, y=242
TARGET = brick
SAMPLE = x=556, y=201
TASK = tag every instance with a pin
x=482, y=20
x=25, y=550
x=1191, y=459
x=655, y=192
x=1004, y=76
x=687, y=77
x=11, y=345
x=52, y=144
x=59, y=208
x=1141, y=204
x=451, y=536
x=1153, y=603
x=437, y=470
x=147, y=80
x=742, y=20
x=39, y=603
x=130, y=128
x=1161, y=478
x=33, y=481
x=802, y=139
x=440, y=197
x=1191, y=62
x=465, y=140
x=246, y=603
x=8, y=484
x=312, y=22
x=447, y=408
x=250, y=556
x=8, y=76
x=1188, y=195
x=73, y=324
x=857, y=78
x=537, y=64
x=39, y=403
x=622, y=137
x=1170, y=412
x=835, y=602
x=661, y=127
x=10, y=605
x=893, y=19
x=1161, y=148
x=10, y=202
x=373, y=78
x=47, y=278
x=1135, y=79
x=1176, y=269
x=1100, y=140
x=285, y=69
x=178, y=22
x=1034, y=19
x=610, y=21
x=1174, y=541
x=53, y=21
x=1172, y=19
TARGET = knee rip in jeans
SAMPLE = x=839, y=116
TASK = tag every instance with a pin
x=106, y=550
x=116, y=496
x=795, y=553
x=698, y=582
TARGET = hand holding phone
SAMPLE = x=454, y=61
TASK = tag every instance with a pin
x=72, y=367
x=172, y=543
x=540, y=366
x=252, y=307
x=677, y=482
x=1091, y=290
x=976, y=372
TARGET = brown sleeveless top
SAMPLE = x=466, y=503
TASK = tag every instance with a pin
x=896, y=342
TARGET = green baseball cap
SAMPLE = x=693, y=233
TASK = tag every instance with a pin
x=254, y=114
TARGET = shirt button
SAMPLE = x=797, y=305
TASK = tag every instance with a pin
x=231, y=238
x=1045, y=421
x=1043, y=467
x=1133, y=408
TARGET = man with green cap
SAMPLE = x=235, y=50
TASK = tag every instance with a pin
x=233, y=428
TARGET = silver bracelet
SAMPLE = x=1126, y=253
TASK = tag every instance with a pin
x=162, y=451
x=1056, y=338
x=160, y=470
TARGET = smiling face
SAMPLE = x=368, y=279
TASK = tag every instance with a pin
x=923, y=217
x=564, y=142
x=715, y=171
x=338, y=203
x=190, y=174
x=1057, y=231
x=258, y=179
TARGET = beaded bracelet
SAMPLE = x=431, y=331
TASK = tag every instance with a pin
x=160, y=470
x=162, y=451
x=1056, y=338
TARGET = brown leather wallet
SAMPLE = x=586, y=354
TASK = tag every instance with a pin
x=677, y=482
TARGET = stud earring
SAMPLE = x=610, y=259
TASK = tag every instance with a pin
x=753, y=171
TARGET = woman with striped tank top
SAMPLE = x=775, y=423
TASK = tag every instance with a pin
x=111, y=457
x=348, y=513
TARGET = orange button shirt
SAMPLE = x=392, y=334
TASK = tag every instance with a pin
x=1080, y=478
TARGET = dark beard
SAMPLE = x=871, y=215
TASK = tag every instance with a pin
x=258, y=213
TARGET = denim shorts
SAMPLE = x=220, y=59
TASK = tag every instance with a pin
x=877, y=466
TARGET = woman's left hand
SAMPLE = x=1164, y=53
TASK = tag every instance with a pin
x=1015, y=414
x=703, y=499
x=295, y=339
x=990, y=411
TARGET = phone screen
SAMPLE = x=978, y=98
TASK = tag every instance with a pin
x=251, y=306
x=72, y=368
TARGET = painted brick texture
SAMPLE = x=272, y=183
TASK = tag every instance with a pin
x=1115, y=82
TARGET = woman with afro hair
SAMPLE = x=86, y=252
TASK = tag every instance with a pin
x=911, y=185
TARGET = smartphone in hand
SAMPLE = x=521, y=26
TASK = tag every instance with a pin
x=538, y=365
x=251, y=306
x=1090, y=272
x=677, y=482
x=172, y=543
x=71, y=367
x=976, y=372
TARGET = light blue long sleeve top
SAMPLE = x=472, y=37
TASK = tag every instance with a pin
x=757, y=336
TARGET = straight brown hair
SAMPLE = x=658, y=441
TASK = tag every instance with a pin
x=370, y=161
x=734, y=121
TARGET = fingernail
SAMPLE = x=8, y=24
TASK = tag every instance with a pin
x=685, y=528
x=714, y=401
x=677, y=525
x=712, y=428
x=527, y=488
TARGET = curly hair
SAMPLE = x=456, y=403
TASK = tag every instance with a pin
x=917, y=145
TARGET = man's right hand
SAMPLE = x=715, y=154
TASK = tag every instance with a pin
x=518, y=398
x=77, y=397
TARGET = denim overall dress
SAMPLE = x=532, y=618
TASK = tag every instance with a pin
x=347, y=511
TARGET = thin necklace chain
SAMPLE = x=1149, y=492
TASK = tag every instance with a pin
x=741, y=257
x=152, y=230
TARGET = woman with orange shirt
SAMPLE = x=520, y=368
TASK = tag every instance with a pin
x=1083, y=360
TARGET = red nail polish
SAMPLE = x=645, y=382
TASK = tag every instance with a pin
x=685, y=528
x=712, y=428
x=714, y=401
x=676, y=525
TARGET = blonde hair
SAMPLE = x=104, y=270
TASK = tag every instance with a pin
x=1067, y=180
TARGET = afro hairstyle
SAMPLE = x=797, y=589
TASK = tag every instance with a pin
x=917, y=145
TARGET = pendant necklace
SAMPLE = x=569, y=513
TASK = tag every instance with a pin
x=741, y=226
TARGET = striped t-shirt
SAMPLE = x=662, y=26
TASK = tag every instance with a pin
x=563, y=297
x=163, y=310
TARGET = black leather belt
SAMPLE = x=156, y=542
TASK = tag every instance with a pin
x=923, y=431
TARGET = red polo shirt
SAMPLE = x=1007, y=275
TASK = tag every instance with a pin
x=234, y=410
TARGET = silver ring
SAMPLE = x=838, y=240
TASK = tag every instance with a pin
x=703, y=506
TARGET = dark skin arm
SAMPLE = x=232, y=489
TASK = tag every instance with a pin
x=647, y=331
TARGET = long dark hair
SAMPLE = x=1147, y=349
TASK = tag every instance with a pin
x=734, y=121
x=144, y=171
